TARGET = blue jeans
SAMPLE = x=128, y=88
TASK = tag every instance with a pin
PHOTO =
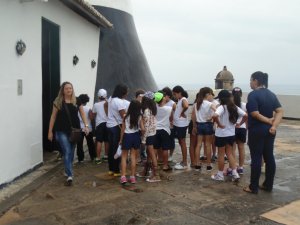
x=68, y=151
x=261, y=144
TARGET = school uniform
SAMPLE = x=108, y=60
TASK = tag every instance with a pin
x=162, y=137
x=180, y=123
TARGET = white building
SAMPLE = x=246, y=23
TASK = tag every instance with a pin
x=53, y=31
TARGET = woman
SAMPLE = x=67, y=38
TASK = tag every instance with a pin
x=116, y=112
x=265, y=114
x=65, y=111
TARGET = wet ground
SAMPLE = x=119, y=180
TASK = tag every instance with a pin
x=185, y=197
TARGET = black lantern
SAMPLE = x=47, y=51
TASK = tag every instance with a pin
x=75, y=60
x=93, y=63
x=20, y=47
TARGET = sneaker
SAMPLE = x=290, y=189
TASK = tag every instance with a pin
x=132, y=179
x=105, y=158
x=209, y=168
x=180, y=166
x=197, y=168
x=153, y=179
x=69, y=181
x=98, y=161
x=228, y=172
x=117, y=174
x=240, y=171
x=170, y=159
x=214, y=158
x=235, y=176
x=217, y=177
x=110, y=173
x=225, y=158
x=59, y=156
x=123, y=180
x=203, y=158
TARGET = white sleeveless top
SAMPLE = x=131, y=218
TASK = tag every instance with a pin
x=178, y=120
x=101, y=116
x=163, y=118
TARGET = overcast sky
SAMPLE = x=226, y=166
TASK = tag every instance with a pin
x=190, y=41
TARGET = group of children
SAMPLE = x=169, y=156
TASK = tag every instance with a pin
x=150, y=123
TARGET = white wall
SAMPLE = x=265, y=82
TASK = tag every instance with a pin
x=21, y=116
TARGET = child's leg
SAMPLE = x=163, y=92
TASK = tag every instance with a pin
x=197, y=149
x=208, y=140
x=213, y=146
x=204, y=147
x=133, y=161
x=228, y=150
x=183, y=150
x=193, y=143
x=241, y=147
x=99, y=148
x=221, y=153
x=152, y=155
x=106, y=147
x=165, y=157
x=124, y=162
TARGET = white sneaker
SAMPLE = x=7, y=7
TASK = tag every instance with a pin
x=235, y=176
x=217, y=177
x=180, y=166
x=170, y=159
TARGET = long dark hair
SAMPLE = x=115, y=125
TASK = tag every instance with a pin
x=134, y=111
x=119, y=91
x=201, y=95
x=262, y=78
x=231, y=107
x=148, y=103
x=237, y=96
x=179, y=89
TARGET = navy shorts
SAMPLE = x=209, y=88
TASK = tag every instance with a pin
x=223, y=141
x=132, y=140
x=162, y=140
x=172, y=139
x=150, y=140
x=101, y=133
x=241, y=134
x=206, y=128
x=180, y=132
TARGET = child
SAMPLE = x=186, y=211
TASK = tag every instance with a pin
x=131, y=139
x=240, y=133
x=100, y=111
x=89, y=138
x=149, y=112
x=164, y=118
x=203, y=124
x=181, y=123
x=226, y=117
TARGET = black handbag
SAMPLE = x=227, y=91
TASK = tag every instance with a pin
x=75, y=134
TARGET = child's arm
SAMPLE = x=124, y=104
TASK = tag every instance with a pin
x=122, y=132
x=194, y=120
x=142, y=126
x=185, y=106
x=244, y=119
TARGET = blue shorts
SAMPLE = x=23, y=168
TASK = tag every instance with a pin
x=101, y=133
x=206, y=128
x=180, y=132
x=241, y=134
x=150, y=140
x=132, y=140
x=223, y=141
x=162, y=140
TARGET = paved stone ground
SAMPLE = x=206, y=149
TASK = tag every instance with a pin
x=187, y=197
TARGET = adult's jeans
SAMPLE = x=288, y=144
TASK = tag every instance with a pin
x=113, y=140
x=261, y=144
x=67, y=149
x=90, y=144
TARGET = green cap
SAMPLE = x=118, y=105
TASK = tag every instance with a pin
x=158, y=97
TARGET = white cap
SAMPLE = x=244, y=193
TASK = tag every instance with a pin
x=102, y=93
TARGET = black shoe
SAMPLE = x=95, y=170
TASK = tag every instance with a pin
x=203, y=158
x=209, y=168
x=197, y=168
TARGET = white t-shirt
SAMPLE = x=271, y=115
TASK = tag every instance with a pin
x=163, y=118
x=115, y=105
x=170, y=103
x=127, y=103
x=101, y=116
x=229, y=129
x=243, y=107
x=180, y=121
x=86, y=110
x=128, y=130
x=205, y=112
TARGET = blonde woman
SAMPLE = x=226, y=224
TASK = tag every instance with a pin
x=64, y=104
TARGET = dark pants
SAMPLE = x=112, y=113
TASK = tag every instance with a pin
x=90, y=144
x=113, y=140
x=261, y=144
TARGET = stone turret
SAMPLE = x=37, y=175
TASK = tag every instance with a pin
x=224, y=80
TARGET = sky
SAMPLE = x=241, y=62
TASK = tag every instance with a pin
x=188, y=42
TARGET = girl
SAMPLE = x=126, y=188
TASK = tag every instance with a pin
x=116, y=111
x=181, y=123
x=131, y=139
x=100, y=111
x=64, y=116
x=149, y=112
x=203, y=124
x=226, y=117
x=164, y=118
x=265, y=114
x=89, y=138
x=240, y=133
